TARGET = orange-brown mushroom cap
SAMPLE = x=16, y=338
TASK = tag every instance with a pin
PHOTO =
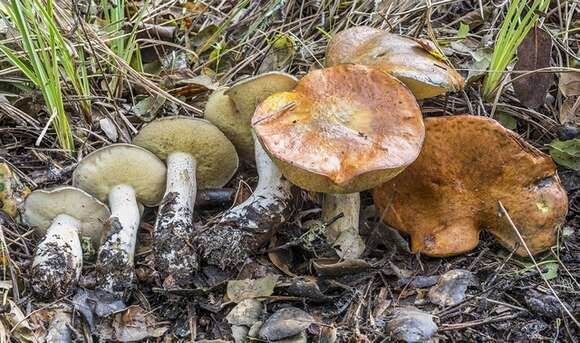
x=451, y=192
x=343, y=129
x=406, y=59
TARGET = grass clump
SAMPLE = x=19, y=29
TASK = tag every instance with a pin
x=46, y=58
x=513, y=30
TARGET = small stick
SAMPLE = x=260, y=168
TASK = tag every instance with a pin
x=504, y=212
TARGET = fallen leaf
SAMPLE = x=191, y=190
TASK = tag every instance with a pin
x=410, y=324
x=280, y=53
x=569, y=83
x=336, y=267
x=451, y=287
x=570, y=110
x=506, y=120
x=463, y=30
x=147, y=108
x=566, y=153
x=284, y=323
x=238, y=290
x=281, y=258
x=533, y=53
x=247, y=312
x=17, y=324
x=109, y=129
x=132, y=324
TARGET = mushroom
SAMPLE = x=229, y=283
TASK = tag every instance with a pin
x=198, y=155
x=409, y=60
x=231, y=110
x=468, y=164
x=61, y=215
x=343, y=129
x=125, y=175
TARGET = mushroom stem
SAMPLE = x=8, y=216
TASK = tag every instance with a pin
x=268, y=206
x=58, y=329
x=343, y=234
x=174, y=228
x=57, y=265
x=115, y=258
x=245, y=227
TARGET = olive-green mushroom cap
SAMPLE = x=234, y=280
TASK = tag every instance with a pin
x=231, y=109
x=41, y=207
x=216, y=157
x=122, y=164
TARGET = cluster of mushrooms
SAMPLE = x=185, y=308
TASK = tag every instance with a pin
x=350, y=127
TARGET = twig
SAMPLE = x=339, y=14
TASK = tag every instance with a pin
x=505, y=213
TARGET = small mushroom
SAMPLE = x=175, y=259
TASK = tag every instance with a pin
x=407, y=59
x=343, y=129
x=198, y=155
x=61, y=214
x=231, y=110
x=468, y=164
x=12, y=191
x=125, y=175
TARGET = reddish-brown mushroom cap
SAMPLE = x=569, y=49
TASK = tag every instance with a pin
x=451, y=192
x=343, y=129
x=406, y=59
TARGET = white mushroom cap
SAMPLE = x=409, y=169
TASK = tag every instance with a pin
x=231, y=109
x=42, y=206
x=216, y=157
x=122, y=164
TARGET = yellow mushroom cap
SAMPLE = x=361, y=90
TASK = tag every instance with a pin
x=231, y=109
x=406, y=59
x=215, y=155
x=122, y=164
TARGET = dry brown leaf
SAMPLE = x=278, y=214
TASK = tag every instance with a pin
x=570, y=83
x=534, y=53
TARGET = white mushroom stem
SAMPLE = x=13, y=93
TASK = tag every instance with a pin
x=174, y=227
x=58, y=262
x=343, y=233
x=268, y=206
x=115, y=268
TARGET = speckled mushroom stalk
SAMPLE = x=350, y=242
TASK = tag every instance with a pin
x=339, y=140
x=244, y=227
x=197, y=155
x=59, y=257
x=125, y=175
x=63, y=214
x=269, y=203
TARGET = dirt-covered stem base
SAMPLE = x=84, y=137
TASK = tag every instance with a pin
x=58, y=262
x=243, y=228
x=115, y=265
x=174, y=256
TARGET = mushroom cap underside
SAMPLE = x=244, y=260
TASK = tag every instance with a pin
x=41, y=207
